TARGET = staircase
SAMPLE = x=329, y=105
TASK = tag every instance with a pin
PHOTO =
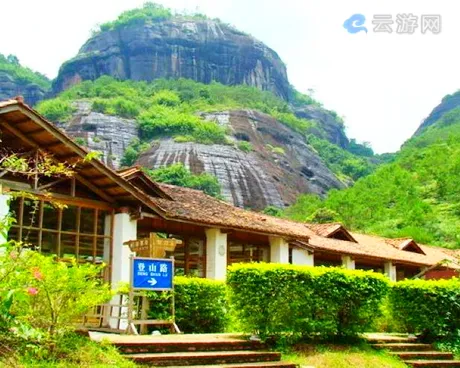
x=413, y=353
x=194, y=351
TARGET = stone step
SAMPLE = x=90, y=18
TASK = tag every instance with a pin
x=132, y=347
x=245, y=365
x=430, y=355
x=433, y=363
x=403, y=346
x=389, y=340
x=205, y=358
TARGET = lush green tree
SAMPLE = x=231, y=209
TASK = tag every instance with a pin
x=415, y=195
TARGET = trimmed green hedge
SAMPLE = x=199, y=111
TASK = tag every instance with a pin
x=273, y=299
x=201, y=305
x=428, y=306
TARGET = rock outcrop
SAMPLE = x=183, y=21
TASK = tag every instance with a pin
x=202, y=50
x=107, y=134
x=11, y=87
x=328, y=121
x=265, y=176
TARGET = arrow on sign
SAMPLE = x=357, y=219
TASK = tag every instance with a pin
x=152, y=281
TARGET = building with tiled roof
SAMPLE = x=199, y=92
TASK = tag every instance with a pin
x=106, y=212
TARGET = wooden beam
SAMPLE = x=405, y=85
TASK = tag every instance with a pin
x=95, y=189
x=66, y=199
x=77, y=176
x=20, y=134
x=52, y=184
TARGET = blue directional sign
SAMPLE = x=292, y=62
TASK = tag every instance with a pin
x=152, y=274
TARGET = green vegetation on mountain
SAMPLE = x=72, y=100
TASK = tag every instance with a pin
x=149, y=12
x=417, y=195
x=13, y=67
x=170, y=108
x=178, y=174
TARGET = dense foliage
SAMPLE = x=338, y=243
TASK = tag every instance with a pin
x=274, y=299
x=178, y=174
x=201, y=305
x=416, y=195
x=12, y=66
x=431, y=307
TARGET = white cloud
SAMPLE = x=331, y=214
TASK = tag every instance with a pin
x=383, y=84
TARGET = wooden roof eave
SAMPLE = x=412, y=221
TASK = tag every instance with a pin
x=367, y=256
x=227, y=228
x=80, y=153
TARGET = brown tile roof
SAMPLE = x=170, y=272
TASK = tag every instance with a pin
x=369, y=247
x=325, y=229
x=329, y=229
x=194, y=205
x=382, y=246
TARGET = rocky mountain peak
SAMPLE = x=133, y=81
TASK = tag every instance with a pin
x=200, y=49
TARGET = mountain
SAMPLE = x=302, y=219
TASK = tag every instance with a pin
x=151, y=43
x=16, y=79
x=417, y=195
x=448, y=103
x=250, y=140
x=155, y=88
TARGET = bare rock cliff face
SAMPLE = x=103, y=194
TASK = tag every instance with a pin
x=11, y=87
x=110, y=135
x=256, y=179
x=202, y=50
x=329, y=122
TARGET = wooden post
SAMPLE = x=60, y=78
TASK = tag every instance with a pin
x=131, y=329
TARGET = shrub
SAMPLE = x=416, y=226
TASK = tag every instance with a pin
x=178, y=174
x=245, y=146
x=56, y=110
x=273, y=299
x=166, y=98
x=428, y=306
x=201, y=305
x=133, y=151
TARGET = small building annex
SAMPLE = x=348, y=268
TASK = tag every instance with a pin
x=104, y=210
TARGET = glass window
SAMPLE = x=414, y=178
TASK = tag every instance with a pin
x=50, y=216
x=87, y=220
x=70, y=219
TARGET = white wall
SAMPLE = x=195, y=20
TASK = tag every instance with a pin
x=302, y=257
x=390, y=271
x=279, y=250
x=348, y=262
x=124, y=229
x=216, y=254
x=4, y=210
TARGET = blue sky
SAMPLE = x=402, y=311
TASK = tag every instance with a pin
x=383, y=85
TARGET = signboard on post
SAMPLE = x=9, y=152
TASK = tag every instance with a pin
x=152, y=274
x=149, y=274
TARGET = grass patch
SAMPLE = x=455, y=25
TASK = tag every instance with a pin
x=72, y=351
x=341, y=356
